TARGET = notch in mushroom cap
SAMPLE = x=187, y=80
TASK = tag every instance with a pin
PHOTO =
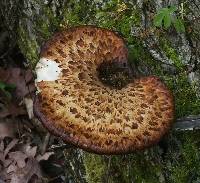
x=76, y=105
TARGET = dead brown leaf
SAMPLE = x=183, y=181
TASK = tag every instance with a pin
x=1, y=146
x=19, y=158
x=24, y=175
x=31, y=151
x=24, y=86
x=12, y=109
x=29, y=107
x=10, y=146
x=45, y=156
x=7, y=129
x=19, y=162
x=21, y=78
x=12, y=168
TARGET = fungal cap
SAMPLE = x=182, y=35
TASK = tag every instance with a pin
x=76, y=106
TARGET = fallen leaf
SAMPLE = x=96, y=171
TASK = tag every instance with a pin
x=17, y=111
x=2, y=158
x=30, y=151
x=45, y=156
x=11, y=108
x=12, y=168
x=19, y=162
x=1, y=146
x=24, y=175
x=7, y=162
x=16, y=179
x=29, y=107
x=4, y=74
x=8, y=128
x=10, y=146
x=19, y=157
x=21, y=78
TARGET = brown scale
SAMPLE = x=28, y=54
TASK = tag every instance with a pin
x=95, y=104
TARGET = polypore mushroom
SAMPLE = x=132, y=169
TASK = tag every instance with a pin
x=74, y=104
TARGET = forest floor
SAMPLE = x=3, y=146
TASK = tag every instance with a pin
x=24, y=154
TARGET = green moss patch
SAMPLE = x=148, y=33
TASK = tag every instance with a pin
x=95, y=168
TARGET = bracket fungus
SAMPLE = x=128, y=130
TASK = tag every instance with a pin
x=74, y=104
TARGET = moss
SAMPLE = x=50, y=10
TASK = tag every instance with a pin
x=144, y=166
x=42, y=27
x=29, y=47
x=44, y=31
x=171, y=53
x=119, y=16
x=116, y=15
x=79, y=13
x=186, y=99
x=95, y=168
x=179, y=162
x=183, y=158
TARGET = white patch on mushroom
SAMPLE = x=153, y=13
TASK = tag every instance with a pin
x=47, y=70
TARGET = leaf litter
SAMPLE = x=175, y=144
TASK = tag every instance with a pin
x=26, y=156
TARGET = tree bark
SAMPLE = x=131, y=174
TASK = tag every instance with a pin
x=172, y=56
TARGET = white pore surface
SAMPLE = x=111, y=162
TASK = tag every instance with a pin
x=47, y=70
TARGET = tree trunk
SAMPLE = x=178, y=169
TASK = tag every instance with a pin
x=174, y=57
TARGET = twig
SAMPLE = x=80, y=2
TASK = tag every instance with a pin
x=45, y=143
x=187, y=123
